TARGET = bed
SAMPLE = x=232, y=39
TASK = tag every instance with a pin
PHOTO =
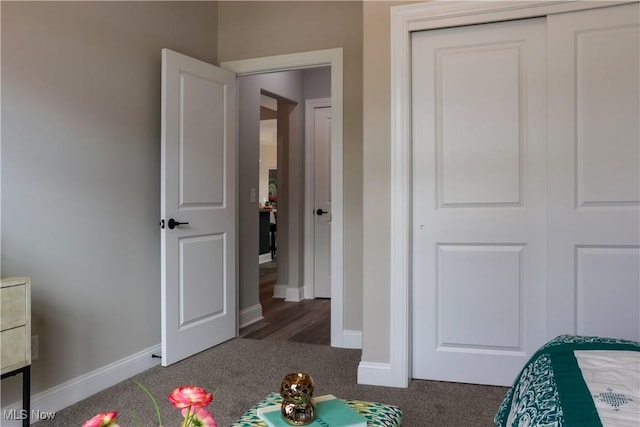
x=576, y=381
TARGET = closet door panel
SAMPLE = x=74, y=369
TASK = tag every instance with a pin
x=594, y=172
x=479, y=200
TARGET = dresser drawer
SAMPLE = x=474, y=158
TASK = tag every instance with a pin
x=15, y=322
x=13, y=347
x=13, y=306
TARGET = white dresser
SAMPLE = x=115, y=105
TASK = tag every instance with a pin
x=15, y=334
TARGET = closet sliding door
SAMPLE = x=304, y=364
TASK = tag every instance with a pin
x=594, y=173
x=479, y=200
x=525, y=189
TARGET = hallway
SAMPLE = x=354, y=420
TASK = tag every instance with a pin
x=307, y=321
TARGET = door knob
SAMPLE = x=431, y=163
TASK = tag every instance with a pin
x=172, y=223
x=321, y=212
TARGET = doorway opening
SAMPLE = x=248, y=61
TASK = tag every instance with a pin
x=333, y=58
x=284, y=188
x=268, y=185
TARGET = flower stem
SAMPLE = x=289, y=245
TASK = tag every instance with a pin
x=153, y=399
x=189, y=417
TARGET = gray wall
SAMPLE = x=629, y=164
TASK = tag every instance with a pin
x=287, y=84
x=80, y=157
x=317, y=83
x=81, y=171
x=296, y=86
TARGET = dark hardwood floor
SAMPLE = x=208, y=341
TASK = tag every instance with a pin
x=307, y=321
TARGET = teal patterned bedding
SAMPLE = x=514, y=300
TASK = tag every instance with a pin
x=561, y=386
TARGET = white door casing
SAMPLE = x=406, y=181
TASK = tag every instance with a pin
x=594, y=173
x=479, y=200
x=321, y=143
x=198, y=176
x=332, y=58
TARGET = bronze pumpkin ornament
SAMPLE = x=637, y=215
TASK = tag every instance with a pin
x=297, y=407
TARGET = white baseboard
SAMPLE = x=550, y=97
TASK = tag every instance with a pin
x=250, y=315
x=289, y=294
x=263, y=258
x=280, y=291
x=309, y=292
x=374, y=373
x=351, y=339
x=73, y=391
x=294, y=294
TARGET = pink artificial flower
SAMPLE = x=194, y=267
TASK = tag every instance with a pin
x=201, y=418
x=190, y=396
x=107, y=419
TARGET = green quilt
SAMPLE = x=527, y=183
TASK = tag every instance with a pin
x=377, y=414
x=550, y=390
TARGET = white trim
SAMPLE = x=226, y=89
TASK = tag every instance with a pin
x=264, y=258
x=333, y=58
x=77, y=389
x=374, y=373
x=294, y=294
x=399, y=307
x=291, y=61
x=309, y=198
x=453, y=13
x=280, y=291
x=404, y=20
x=250, y=315
x=0, y=132
x=352, y=339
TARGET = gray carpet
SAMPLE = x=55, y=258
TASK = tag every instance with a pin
x=242, y=371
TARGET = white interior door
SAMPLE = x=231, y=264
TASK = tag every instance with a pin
x=479, y=200
x=322, y=195
x=594, y=173
x=198, y=190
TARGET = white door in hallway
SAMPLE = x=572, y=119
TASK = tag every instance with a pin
x=322, y=195
x=198, y=206
x=479, y=200
x=594, y=173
